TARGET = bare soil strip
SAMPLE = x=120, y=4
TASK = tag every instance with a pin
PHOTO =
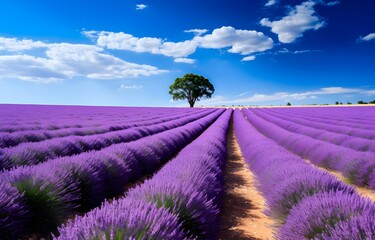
x=242, y=214
x=363, y=191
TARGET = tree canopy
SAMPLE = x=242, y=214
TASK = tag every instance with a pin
x=191, y=87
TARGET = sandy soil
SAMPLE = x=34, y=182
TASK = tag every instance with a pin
x=364, y=191
x=242, y=216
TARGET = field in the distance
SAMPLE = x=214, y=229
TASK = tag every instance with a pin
x=72, y=172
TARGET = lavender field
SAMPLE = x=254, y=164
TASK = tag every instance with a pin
x=73, y=172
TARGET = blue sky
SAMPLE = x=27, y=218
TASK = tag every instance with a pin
x=257, y=52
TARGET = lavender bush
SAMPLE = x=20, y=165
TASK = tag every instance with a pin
x=308, y=203
x=188, y=187
x=307, y=129
x=124, y=219
x=33, y=153
x=15, y=138
x=319, y=152
x=316, y=215
x=327, y=120
x=12, y=211
x=14, y=118
x=53, y=190
x=357, y=228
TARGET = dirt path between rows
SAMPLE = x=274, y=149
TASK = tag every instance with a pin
x=363, y=191
x=242, y=216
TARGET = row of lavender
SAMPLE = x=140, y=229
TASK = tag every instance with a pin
x=357, y=167
x=309, y=203
x=351, y=112
x=362, y=130
x=181, y=201
x=14, y=138
x=309, y=129
x=37, y=117
x=23, y=117
x=354, y=118
x=33, y=153
x=36, y=199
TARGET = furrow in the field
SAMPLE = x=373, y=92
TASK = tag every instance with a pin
x=64, y=120
x=324, y=119
x=308, y=129
x=181, y=201
x=243, y=215
x=307, y=202
x=361, y=112
x=34, y=153
x=15, y=138
x=328, y=114
x=39, y=198
x=51, y=124
x=359, y=167
x=364, y=191
x=366, y=132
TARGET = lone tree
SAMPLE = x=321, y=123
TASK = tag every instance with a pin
x=191, y=87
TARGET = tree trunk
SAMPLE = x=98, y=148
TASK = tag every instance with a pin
x=191, y=102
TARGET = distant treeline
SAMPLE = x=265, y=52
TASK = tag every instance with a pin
x=363, y=102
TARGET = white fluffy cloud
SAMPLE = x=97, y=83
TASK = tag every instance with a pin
x=124, y=41
x=90, y=62
x=16, y=45
x=300, y=19
x=64, y=61
x=184, y=60
x=140, y=6
x=367, y=38
x=237, y=41
x=197, y=31
x=248, y=58
x=178, y=49
x=270, y=3
x=30, y=68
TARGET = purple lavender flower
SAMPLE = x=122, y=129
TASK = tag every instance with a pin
x=12, y=211
x=296, y=187
x=315, y=216
x=123, y=219
x=33, y=153
x=47, y=193
x=55, y=189
x=188, y=187
x=357, y=228
x=355, y=165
